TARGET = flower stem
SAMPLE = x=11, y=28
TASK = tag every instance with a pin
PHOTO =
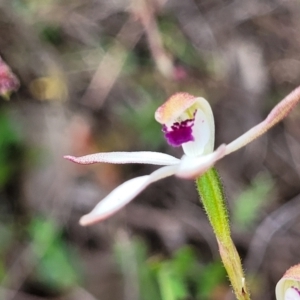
x=211, y=192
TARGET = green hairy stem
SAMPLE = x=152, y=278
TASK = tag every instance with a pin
x=212, y=195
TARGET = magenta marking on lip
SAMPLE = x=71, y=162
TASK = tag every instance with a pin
x=296, y=289
x=179, y=133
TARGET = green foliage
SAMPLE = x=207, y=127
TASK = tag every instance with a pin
x=10, y=146
x=179, y=46
x=250, y=201
x=171, y=284
x=51, y=34
x=29, y=7
x=131, y=257
x=55, y=266
x=210, y=278
x=180, y=277
x=141, y=118
x=6, y=240
x=52, y=260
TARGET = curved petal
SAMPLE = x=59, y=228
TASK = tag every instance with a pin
x=123, y=194
x=279, y=112
x=142, y=157
x=174, y=107
x=192, y=167
x=203, y=130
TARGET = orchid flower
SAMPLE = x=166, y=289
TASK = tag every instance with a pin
x=187, y=121
x=288, y=287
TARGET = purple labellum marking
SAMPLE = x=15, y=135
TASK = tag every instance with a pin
x=179, y=133
x=297, y=290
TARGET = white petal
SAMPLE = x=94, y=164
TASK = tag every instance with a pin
x=142, y=157
x=192, y=167
x=123, y=194
x=203, y=130
x=201, y=134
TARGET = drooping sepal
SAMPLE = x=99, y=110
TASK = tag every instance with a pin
x=123, y=194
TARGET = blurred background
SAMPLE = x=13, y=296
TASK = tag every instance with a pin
x=91, y=74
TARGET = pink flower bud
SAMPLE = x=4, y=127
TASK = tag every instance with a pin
x=8, y=81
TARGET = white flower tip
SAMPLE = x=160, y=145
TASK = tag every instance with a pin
x=83, y=221
x=80, y=160
x=119, y=197
x=91, y=219
x=69, y=157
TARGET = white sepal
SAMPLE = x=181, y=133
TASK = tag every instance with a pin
x=279, y=112
x=141, y=157
x=123, y=194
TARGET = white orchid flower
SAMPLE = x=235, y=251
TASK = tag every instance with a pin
x=188, y=122
x=288, y=287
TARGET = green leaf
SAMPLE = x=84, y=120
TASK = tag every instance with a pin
x=172, y=286
x=10, y=146
x=212, y=276
x=55, y=266
x=131, y=256
x=250, y=201
x=185, y=261
x=140, y=117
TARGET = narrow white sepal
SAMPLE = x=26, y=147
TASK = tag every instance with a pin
x=192, y=167
x=123, y=194
x=279, y=112
x=141, y=157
